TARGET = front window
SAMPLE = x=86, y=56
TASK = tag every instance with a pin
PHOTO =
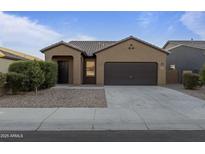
x=172, y=67
x=90, y=68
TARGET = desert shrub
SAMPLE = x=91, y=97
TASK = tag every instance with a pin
x=2, y=79
x=23, y=67
x=15, y=81
x=20, y=66
x=191, y=81
x=50, y=70
x=202, y=74
x=38, y=74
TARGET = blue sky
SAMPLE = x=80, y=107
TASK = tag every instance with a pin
x=31, y=31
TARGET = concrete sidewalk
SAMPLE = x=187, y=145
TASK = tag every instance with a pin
x=129, y=108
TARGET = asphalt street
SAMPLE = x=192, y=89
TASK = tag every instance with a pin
x=104, y=136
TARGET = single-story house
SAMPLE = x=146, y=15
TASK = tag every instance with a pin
x=8, y=56
x=130, y=61
x=185, y=56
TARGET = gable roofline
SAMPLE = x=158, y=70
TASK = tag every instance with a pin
x=58, y=44
x=185, y=46
x=136, y=39
x=177, y=42
x=15, y=55
x=166, y=43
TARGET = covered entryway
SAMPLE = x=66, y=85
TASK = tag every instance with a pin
x=65, y=69
x=130, y=73
x=63, y=72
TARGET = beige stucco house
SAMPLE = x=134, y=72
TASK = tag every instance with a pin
x=130, y=61
x=8, y=56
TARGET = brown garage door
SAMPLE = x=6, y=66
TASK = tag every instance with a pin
x=120, y=73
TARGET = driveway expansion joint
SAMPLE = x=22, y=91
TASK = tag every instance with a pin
x=47, y=117
x=93, y=127
x=145, y=123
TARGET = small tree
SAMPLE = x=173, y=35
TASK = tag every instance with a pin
x=36, y=76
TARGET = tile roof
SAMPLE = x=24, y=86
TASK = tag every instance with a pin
x=14, y=55
x=192, y=43
x=90, y=47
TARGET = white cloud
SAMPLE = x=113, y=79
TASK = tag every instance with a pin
x=195, y=22
x=145, y=19
x=81, y=37
x=23, y=34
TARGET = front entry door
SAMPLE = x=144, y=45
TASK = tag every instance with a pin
x=62, y=72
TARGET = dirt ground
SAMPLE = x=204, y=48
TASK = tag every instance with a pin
x=57, y=98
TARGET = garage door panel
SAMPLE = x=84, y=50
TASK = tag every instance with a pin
x=121, y=73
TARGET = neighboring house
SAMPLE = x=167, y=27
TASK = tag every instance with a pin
x=8, y=56
x=129, y=61
x=185, y=56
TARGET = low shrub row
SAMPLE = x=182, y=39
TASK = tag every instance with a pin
x=16, y=81
x=31, y=75
x=202, y=74
x=2, y=83
x=50, y=71
x=192, y=81
x=2, y=79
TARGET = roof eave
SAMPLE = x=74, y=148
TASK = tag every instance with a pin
x=57, y=44
x=165, y=44
x=184, y=46
x=19, y=55
x=134, y=38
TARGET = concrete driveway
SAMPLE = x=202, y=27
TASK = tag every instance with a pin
x=129, y=108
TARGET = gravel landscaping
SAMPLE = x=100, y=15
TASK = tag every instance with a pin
x=57, y=98
x=199, y=93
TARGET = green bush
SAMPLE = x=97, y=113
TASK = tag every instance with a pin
x=16, y=81
x=38, y=74
x=20, y=66
x=2, y=79
x=23, y=67
x=202, y=74
x=50, y=70
x=191, y=81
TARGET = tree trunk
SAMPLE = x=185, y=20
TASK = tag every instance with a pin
x=36, y=90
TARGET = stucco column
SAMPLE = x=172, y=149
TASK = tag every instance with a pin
x=48, y=57
x=76, y=70
x=162, y=73
x=99, y=71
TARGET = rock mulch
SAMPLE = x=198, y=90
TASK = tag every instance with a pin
x=51, y=98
